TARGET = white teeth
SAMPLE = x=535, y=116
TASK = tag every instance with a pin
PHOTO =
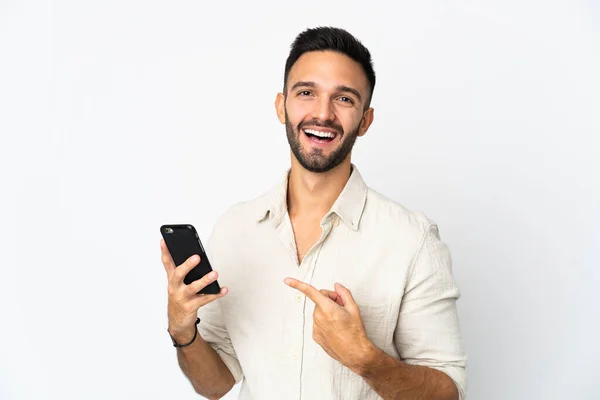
x=320, y=134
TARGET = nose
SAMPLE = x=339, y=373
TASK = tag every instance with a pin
x=324, y=110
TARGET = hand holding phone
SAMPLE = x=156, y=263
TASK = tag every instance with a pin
x=183, y=242
x=192, y=282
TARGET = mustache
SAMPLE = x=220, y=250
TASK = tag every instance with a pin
x=322, y=124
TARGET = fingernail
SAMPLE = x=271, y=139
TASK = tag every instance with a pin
x=211, y=275
x=195, y=258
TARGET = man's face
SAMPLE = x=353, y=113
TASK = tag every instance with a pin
x=324, y=109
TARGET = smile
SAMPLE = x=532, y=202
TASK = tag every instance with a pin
x=320, y=136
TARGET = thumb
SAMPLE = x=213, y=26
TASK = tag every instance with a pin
x=346, y=295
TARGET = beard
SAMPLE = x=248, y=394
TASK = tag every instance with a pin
x=316, y=161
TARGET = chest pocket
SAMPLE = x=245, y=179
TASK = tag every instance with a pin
x=377, y=320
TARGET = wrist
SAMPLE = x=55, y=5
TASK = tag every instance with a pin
x=366, y=359
x=181, y=335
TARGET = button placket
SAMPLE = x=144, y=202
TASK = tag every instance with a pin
x=308, y=277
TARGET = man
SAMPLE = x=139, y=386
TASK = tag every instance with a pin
x=332, y=290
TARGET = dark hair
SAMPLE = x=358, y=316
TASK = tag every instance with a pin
x=332, y=39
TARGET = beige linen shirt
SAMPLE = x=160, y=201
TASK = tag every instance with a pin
x=391, y=259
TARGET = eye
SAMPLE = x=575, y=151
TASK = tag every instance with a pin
x=346, y=99
x=304, y=93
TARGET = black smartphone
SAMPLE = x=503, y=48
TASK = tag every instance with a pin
x=183, y=242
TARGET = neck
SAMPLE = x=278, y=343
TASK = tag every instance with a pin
x=312, y=194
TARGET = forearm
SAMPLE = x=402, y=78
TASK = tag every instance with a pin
x=205, y=370
x=394, y=379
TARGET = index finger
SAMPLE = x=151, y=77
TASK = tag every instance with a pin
x=317, y=297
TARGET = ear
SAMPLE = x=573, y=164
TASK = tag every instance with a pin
x=280, y=107
x=366, y=121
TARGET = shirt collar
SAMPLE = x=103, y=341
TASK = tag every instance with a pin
x=349, y=205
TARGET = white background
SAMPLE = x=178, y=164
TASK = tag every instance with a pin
x=119, y=116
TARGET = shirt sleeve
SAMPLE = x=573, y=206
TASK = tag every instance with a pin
x=428, y=331
x=215, y=334
x=211, y=326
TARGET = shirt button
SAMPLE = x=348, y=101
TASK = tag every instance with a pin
x=336, y=222
x=295, y=355
x=299, y=297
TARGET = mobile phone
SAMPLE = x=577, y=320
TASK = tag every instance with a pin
x=183, y=242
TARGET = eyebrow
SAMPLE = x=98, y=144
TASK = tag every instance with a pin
x=339, y=88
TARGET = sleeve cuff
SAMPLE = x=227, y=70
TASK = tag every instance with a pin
x=232, y=363
x=458, y=377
